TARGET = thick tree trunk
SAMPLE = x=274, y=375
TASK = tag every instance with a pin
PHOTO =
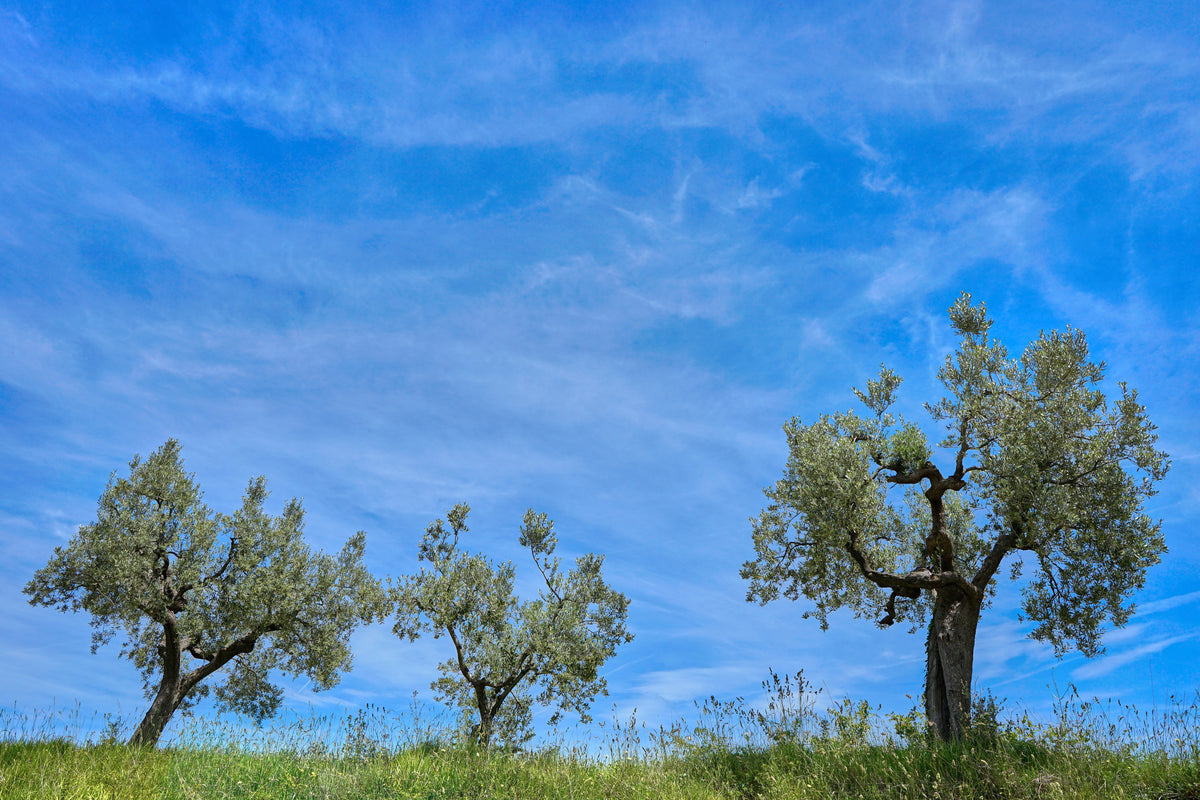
x=175, y=684
x=950, y=653
x=171, y=689
x=166, y=700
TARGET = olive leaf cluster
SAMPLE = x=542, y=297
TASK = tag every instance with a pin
x=504, y=649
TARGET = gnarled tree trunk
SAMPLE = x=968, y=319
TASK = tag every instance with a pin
x=950, y=651
x=172, y=688
x=167, y=699
x=175, y=684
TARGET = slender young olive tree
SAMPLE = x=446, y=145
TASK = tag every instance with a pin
x=503, y=648
x=196, y=592
x=1036, y=463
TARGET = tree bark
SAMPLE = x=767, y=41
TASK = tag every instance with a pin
x=175, y=684
x=483, y=731
x=950, y=651
x=166, y=700
x=170, y=687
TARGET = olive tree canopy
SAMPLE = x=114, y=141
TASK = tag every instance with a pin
x=503, y=648
x=1036, y=462
x=195, y=592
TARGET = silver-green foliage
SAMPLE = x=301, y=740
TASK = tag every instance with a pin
x=194, y=591
x=504, y=648
x=1035, y=461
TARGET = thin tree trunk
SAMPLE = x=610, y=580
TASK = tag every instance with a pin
x=483, y=732
x=950, y=651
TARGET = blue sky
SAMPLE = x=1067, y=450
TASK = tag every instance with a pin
x=586, y=258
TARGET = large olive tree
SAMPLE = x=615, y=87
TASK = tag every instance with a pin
x=502, y=647
x=195, y=591
x=1036, y=463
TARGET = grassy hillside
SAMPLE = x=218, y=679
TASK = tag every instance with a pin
x=1091, y=751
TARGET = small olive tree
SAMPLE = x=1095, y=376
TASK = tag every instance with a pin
x=504, y=648
x=196, y=592
x=1037, y=464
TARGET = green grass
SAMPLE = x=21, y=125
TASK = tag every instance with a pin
x=1092, y=750
x=826, y=769
x=60, y=769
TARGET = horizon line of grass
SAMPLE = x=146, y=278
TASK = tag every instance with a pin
x=789, y=751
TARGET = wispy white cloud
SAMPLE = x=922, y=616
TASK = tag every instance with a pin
x=307, y=81
x=1105, y=665
x=1167, y=603
x=734, y=229
x=690, y=683
x=939, y=245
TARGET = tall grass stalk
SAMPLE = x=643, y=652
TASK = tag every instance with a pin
x=784, y=749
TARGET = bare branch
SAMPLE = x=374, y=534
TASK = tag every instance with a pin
x=220, y=658
x=926, y=471
x=187, y=587
x=890, y=606
x=502, y=691
x=458, y=651
x=1074, y=479
x=790, y=547
x=918, y=579
x=991, y=563
x=963, y=448
x=197, y=652
x=233, y=543
x=545, y=577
